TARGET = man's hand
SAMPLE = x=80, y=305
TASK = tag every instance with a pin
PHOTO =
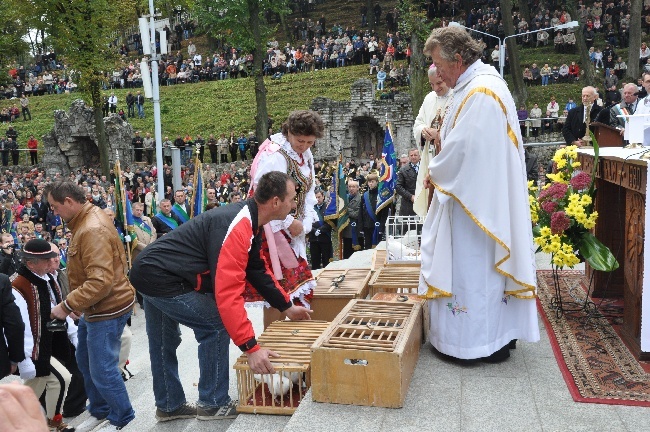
x=295, y=229
x=430, y=134
x=58, y=312
x=20, y=410
x=427, y=182
x=259, y=361
x=412, y=198
x=298, y=313
x=13, y=369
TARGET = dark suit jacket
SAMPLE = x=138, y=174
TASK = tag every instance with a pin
x=13, y=327
x=405, y=187
x=161, y=227
x=574, y=127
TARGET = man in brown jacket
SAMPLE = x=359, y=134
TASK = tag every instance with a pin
x=100, y=290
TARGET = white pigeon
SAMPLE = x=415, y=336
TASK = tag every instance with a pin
x=277, y=385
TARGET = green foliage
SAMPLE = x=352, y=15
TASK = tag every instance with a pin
x=210, y=107
x=230, y=20
x=12, y=30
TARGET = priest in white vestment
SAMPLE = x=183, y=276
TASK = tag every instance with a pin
x=478, y=265
x=426, y=130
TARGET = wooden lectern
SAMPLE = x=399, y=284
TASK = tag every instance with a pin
x=607, y=136
x=620, y=203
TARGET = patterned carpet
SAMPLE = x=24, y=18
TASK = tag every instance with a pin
x=595, y=363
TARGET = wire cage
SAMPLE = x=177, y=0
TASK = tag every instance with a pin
x=403, y=235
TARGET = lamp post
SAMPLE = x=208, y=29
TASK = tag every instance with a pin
x=502, y=42
x=151, y=85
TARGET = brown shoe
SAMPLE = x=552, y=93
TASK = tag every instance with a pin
x=57, y=425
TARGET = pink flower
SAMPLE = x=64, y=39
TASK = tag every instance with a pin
x=549, y=206
x=555, y=191
x=581, y=181
x=559, y=222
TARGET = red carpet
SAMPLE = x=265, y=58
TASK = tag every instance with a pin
x=595, y=363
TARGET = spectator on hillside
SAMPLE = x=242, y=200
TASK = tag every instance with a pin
x=381, y=77
x=522, y=115
x=574, y=71
x=536, y=114
x=545, y=72
x=620, y=67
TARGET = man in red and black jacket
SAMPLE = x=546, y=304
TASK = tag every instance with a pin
x=206, y=262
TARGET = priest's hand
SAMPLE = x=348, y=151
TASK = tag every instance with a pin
x=59, y=312
x=259, y=361
x=298, y=313
x=427, y=182
x=430, y=134
x=295, y=229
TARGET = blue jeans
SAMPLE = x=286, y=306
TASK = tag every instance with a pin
x=198, y=312
x=98, y=354
x=544, y=80
x=140, y=110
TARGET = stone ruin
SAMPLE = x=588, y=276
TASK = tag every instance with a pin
x=356, y=127
x=72, y=142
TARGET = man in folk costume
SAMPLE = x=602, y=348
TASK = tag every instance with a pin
x=426, y=129
x=372, y=223
x=36, y=293
x=165, y=220
x=285, y=243
x=478, y=264
x=180, y=207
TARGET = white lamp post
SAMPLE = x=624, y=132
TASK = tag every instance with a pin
x=151, y=85
x=502, y=42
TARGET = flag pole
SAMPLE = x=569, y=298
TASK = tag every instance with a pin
x=194, y=179
x=123, y=197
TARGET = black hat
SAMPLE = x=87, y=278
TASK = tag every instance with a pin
x=38, y=248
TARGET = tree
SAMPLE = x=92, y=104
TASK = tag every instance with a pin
x=635, y=41
x=520, y=94
x=12, y=45
x=81, y=31
x=581, y=46
x=414, y=24
x=242, y=24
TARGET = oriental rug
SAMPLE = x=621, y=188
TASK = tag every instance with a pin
x=595, y=363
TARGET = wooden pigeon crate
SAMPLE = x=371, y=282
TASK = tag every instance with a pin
x=378, y=259
x=335, y=288
x=368, y=354
x=292, y=340
x=395, y=279
x=409, y=298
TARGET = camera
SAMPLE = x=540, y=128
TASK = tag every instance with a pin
x=57, y=325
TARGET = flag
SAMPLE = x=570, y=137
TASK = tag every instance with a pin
x=198, y=196
x=341, y=198
x=331, y=212
x=387, y=172
x=130, y=224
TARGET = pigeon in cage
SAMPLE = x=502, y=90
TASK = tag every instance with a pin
x=277, y=385
x=397, y=250
x=298, y=378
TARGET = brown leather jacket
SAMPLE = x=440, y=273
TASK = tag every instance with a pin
x=97, y=268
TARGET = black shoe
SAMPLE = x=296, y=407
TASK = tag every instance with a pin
x=451, y=359
x=512, y=344
x=498, y=356
x=218, y=413
x=184, y=411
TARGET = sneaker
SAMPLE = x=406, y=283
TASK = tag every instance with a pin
x=90, y=424
x=184, y=411
x=110, y=428
x=218, y=413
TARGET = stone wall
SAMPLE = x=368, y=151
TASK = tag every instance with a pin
x=356, y=127
x=72, y=142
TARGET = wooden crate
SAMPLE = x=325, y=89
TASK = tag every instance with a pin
x=378, y=259
x=409, y=298
x=395, y=279
x=335, y=288
x=368, y=354
x=292, y=340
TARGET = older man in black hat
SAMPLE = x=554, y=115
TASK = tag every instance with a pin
x=46, y=349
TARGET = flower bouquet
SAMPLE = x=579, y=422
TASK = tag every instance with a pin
x=563, y=214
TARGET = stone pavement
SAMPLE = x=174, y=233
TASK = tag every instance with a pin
x=525, y=393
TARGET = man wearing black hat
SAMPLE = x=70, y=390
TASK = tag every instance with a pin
x=36, y=293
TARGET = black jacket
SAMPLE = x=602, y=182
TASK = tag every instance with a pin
x=13, y=348
x=574, y=127
x=405, y=187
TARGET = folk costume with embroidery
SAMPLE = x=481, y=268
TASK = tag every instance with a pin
x=478, y=263
x=287, y=255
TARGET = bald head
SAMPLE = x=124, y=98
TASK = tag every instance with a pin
x=629, y=93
